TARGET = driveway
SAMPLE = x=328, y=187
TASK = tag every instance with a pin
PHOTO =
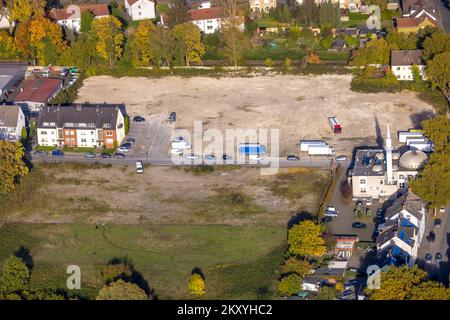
x=439, y=271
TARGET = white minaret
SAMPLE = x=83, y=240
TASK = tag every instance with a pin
x=388, y=148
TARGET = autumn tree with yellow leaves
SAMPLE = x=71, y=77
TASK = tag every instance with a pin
x=109, y=39
x=305, y=239
x=8, y=49
x=12, y=166
x=188, y=42
x=196, y=285
x=141, y=50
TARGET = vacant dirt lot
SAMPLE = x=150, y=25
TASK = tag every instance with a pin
x=68, y=193
x=299, y=106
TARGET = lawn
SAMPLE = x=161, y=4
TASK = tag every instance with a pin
x=238, y=262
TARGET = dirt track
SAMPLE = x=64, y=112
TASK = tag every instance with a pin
x=299, y=106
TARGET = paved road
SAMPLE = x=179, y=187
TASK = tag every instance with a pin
x=441, y=244
x=442, y=13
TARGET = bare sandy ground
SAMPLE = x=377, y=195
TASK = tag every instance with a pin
x=299, y=106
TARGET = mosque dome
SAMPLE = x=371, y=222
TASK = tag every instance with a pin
x=413, y=159
x=377, y=168
x=395, y=155
x=379, y=155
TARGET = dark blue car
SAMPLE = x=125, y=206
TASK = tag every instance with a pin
x=57, y=153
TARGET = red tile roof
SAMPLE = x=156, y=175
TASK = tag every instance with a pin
x=412, y=22
x=38, y=90
x=205, y=14
x=96, y=9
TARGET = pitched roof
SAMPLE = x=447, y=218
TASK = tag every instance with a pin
x=406, y=57
x=97, y=10
x=9, y=116
x=407, y=5
x=205, y=14
x=131, y=2
x=101, y=115
x=410, y=202
x=38, y=90
x=413, y=22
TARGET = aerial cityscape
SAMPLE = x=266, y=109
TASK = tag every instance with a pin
x=203, y=150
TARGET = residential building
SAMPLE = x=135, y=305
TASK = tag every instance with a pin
x=402, y=62
x=384, y=173
x=414, y=25
x=403, y=231
x=392, y=5
x=351, y=5
x=140, y=9
x=11, y=74
x=70, y=17
x=35, y=93
x=81, y=125
x=12, y=121
x=262, y=6
x=200, y=4
x=209, y=20
x=4, y=21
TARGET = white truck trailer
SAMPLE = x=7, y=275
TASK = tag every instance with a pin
x=180, y=145
x=422, y=146
x=325, y=150
x=403, y=135
x=305, y=144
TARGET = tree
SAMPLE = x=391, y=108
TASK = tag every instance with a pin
x=418, y=82
x=298, y=266
x=22, y=40
x=307, y=13
x=15, y=275
x=109, y=39
x=293, y=36
x=437, y=72
x=141, y=51
x=439, y=42
x=12, y=166
x=430, y=290
x=290, y=285
x=375, y=52
x=305, y=239
x=84, y=52
x=329, y=13
x=113, y=272
x=8, y=49
x=177, y=13
x=188, y=42
x=196, y=285
x=87, y=17
x=327, y=293
x=121, y=290
x=438, y=131
x=162, y=46
x=397, y=283
x=235, y=44
x=380, y=3
x=401, y=41
x=19, y=10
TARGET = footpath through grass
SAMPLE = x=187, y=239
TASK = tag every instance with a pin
x=238, y=262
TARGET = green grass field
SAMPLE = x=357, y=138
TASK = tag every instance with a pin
x=238, y=262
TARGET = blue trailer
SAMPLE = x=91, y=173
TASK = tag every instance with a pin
x=252, y=149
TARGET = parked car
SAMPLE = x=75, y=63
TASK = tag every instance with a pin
x=90, y=155
x=40, y=153
x=138, y=119
x=192, y=156
x=351, y=283
x=292, y=157
x=327, y=219
x=347, y=294
x=359, y=225
x=124, y=148
x=438, y=257
x=63, y=72
x=369, y=202
x=139, y=167
x=57, y=153
x=178, y=152
x=331, y=211
x=130, y=140
x=341, y=158
x=380, y=213
x=437, y=223
x=431, y=237
x=119, y=155
x=442, y=209
x=172, y=117
x=105, y=156
x=428, y=258
x=210, y=157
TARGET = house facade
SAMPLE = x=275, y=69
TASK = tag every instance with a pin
x=12, y=122
x=414, y=25
x=36, y=93
x=81, y=126
x=402, y=62
x=140, y=9
x=70, y=17
x=208, y=20
x=262, y=6
x=402, y=233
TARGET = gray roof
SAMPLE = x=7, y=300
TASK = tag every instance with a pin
x=8, y=116
x=98, y=116
x=410, y=202
x=10, y=73
x=406, y=57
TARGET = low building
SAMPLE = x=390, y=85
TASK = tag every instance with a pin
x=81, y=126
x=403, y=231
x=70, y=17
x=209, y=20
x=4, y=19
x=12, y=122
x=36, y=93
x=140, y=9
x=262, y=6
x=11, y=74
x=384, y=173
x=414, y=25
x=402, y=62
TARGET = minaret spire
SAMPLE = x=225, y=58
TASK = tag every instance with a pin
x=388, y=148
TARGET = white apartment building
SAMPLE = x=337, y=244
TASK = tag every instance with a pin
x=140, y=9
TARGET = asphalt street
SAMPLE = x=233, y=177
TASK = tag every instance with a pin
x=442, y=13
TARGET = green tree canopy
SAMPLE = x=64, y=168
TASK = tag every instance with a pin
x=301, y=267
x=15, y=276
x=12, y=166
x=439, y=42
x=121, y=290
x=305, y=239
x=438, y=72
x=289, y=285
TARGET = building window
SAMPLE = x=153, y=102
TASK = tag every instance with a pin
x=363, y=190
x=362, y=181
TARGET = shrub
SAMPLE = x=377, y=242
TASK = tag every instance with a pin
x=290, y=285
x=196, y=285
x=298, y=266
x=269, y=62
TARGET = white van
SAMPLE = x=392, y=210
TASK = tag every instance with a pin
x=139, y=167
